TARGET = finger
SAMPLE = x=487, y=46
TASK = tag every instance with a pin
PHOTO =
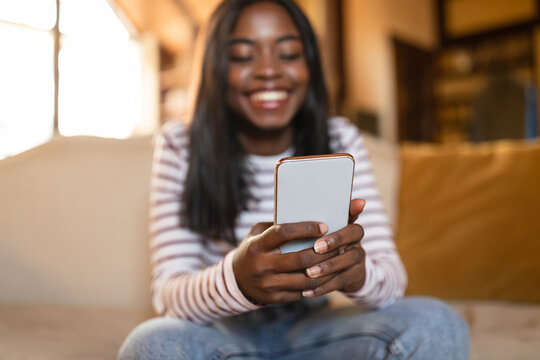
x=298, y=261
x=350, y=234
x=277, y=235
x=355, y=209
x=352, y=277
x=351, y=257
x=282, y=297
x=357, y=206
x=290, y=282
x=259, y=228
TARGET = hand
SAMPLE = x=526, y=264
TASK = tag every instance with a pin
x=266, y=276
x=348, y=267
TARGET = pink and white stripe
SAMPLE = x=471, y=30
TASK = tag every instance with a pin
x=194, y=280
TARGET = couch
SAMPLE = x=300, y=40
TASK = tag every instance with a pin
x=74, y=267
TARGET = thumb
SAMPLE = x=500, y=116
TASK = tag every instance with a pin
x=355, y=209
x=277, y=235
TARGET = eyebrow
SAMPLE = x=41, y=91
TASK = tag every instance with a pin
x=252, y=42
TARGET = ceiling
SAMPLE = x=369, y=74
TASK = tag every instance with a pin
x=173, y=22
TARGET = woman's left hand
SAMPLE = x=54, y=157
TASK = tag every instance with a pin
x=349, y=265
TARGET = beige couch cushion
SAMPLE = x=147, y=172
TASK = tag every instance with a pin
x=384, y=159
x=73, y=221
x=469, y=224
x=502, y=330
x=61, y=332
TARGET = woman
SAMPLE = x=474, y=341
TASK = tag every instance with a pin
x=219, y=280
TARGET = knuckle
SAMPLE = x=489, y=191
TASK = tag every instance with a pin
x=312, y=228
x=315, y=283
x=358, y=254
x=320, y=290
x=358, y=231
x=334, y=241
x=264, y=283
x=277, y=229
x=332, y=254
x=283, y=231
x=327, y=267
x=252, y=248
x=260, y=267
x=277, y=298
x=303, y=260
x=310, y=283
x=342, y=281
x=258, y=283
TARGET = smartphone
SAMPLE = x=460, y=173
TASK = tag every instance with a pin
x=313, y=188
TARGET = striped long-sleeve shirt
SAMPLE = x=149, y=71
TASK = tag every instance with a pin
x=194, y=279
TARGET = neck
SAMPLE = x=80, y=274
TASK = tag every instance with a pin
x=265, y=142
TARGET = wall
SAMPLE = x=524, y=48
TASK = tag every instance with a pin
x=468, y=16
x=369, y=69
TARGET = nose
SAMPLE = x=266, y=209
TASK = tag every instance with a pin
x=267, y=67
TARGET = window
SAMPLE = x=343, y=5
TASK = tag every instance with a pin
x=26, y=73
x=99, y=72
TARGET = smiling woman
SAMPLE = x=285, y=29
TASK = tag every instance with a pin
x=219, y=280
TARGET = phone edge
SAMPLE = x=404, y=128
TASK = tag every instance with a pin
x=303, y=158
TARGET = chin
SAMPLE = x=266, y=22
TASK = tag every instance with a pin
x=272, y=127
x=269, y=123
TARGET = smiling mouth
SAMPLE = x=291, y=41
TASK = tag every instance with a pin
x=269, y=96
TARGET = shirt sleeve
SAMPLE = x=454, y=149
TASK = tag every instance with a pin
x=386, y=278
x=183, y=285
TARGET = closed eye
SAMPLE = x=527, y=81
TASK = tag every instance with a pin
x=289, y=57
x=241, y=59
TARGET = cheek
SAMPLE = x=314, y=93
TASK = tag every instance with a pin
x=237, y=78
x=299, y=73
x=234, y=85
x=232, y=81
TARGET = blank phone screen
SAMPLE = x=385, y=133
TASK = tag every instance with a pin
x=313, y=189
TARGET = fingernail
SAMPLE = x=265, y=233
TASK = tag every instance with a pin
x=320, y=246
x=324, y=228
x=307, y=293
x=313, y=271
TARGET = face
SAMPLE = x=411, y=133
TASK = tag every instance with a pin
x=268, y=76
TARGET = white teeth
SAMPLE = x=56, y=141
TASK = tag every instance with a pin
x=269, y=95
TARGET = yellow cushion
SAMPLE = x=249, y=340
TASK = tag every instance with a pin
x=469, y=223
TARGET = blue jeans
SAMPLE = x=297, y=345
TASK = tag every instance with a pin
x=412, y=328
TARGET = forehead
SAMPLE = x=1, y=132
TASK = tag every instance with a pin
x=264, y=20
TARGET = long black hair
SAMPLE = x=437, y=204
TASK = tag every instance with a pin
x=215, y=189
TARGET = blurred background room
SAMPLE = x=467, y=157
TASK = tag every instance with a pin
x=444, y=91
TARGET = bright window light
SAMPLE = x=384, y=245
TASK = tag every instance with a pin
x=26, y=88
x=39, y=14
x=100, y=72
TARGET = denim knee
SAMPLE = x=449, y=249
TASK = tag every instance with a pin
x=439, y=331
x=158, y=338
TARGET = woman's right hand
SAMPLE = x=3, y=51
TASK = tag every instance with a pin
x=265, y=275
